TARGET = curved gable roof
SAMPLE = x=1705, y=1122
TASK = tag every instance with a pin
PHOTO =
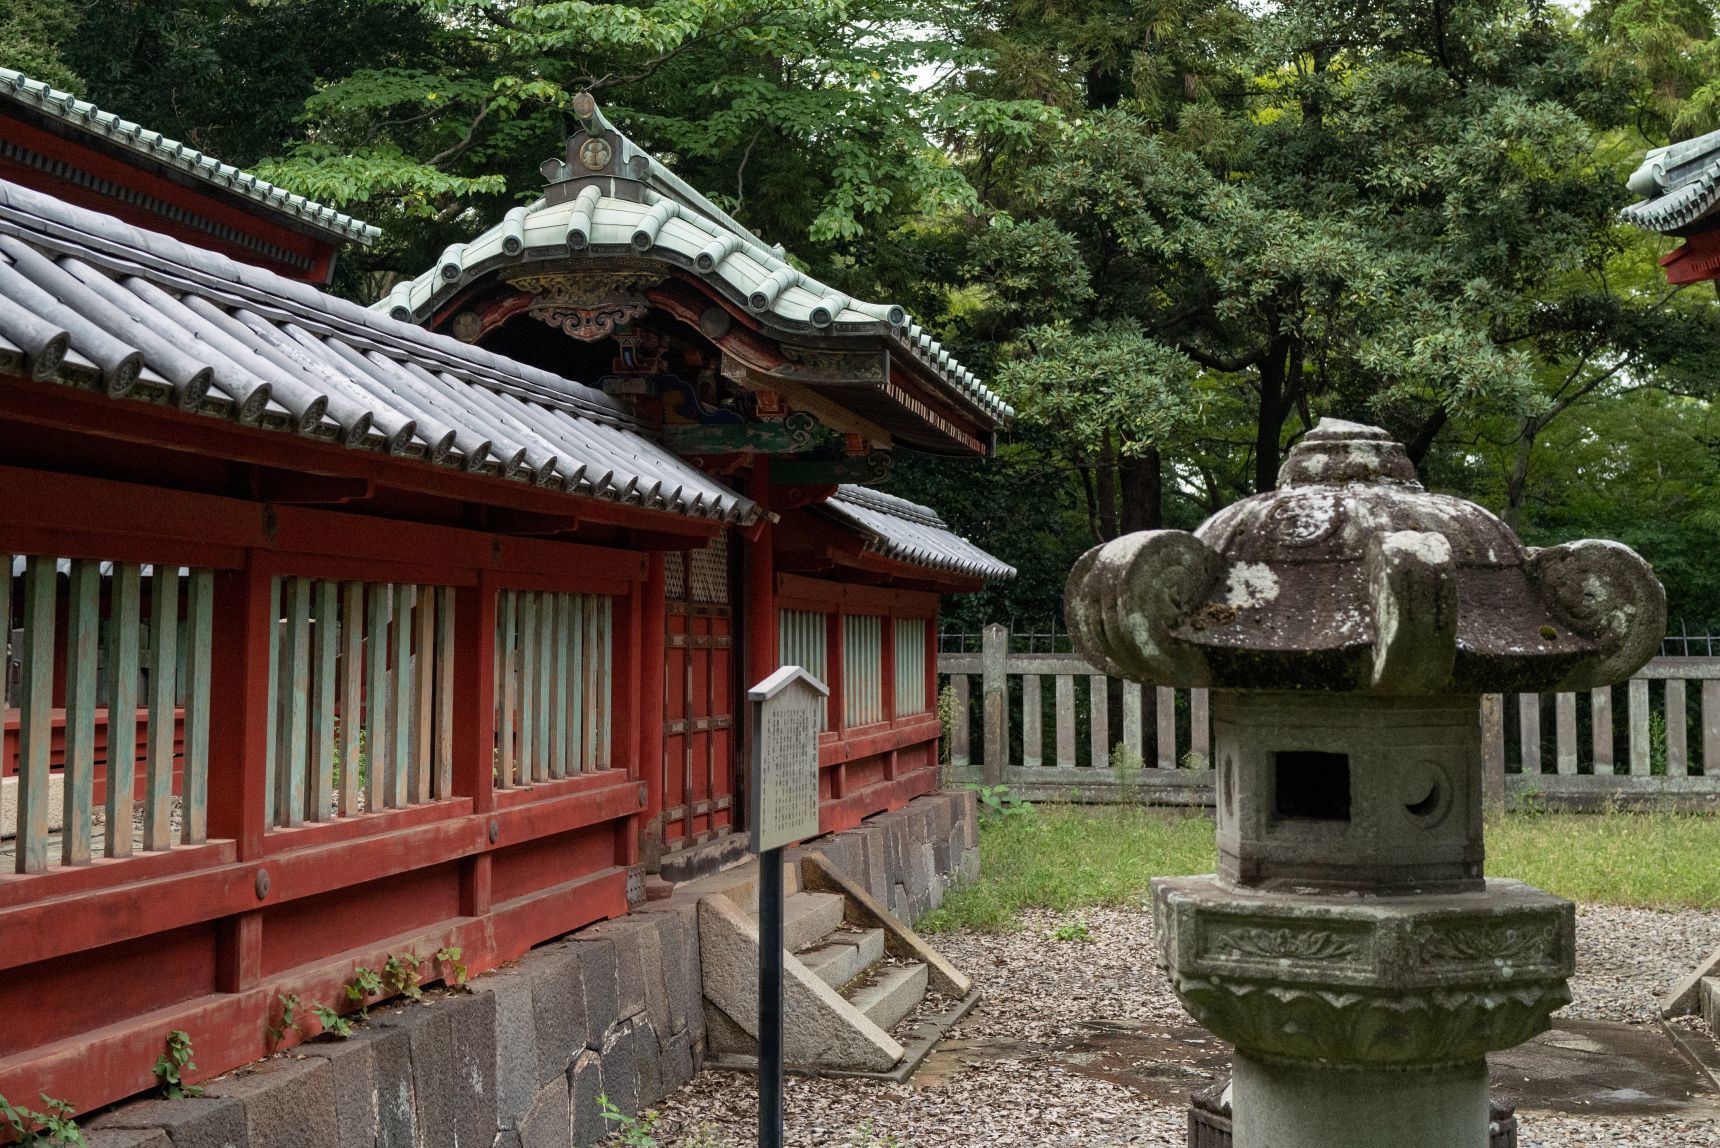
x=673, y=223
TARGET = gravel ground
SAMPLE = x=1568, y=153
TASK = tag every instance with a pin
x=1027, y=1067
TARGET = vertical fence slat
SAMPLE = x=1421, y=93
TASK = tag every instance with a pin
x=77, y=788
x=292, y=722
x=606, y=679
x=325, y=641
x=194, y=786
x=1711, y=727
x=5, y=663
x=507, y=689
x=1529, y=731
x=1065, y=721
x=1492, y=719
x=1132, y=717
x=423, y=692
x=960, y=756
x=380, y=603
x=1032, y=718
x=545, y=672
x=124, y=618
x=36, y=718
x=1200, y=724
x=1601, y=727
x=528, y=640
x=558, y=723
x=400, y=711
x=1167, y=727
x=994, y=655
x=1565, y=732
x=444, y=691
x=163, y=699
x=1677, y=748
x=351, y=693
x=1099, y=719
x=1641, y=764
x=578, y=744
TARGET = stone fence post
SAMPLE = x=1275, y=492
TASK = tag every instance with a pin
x=994, y=687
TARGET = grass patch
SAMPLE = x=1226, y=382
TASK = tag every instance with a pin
x=1069, y=857
x=1065, y=857
x=1648, y=860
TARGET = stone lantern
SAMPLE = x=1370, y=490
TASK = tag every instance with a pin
x=1347, y=623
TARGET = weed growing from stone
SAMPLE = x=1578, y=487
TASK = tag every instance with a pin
x=30, y=1128
x=172, y=1065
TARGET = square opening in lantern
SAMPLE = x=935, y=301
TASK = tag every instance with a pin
x=1311, y=786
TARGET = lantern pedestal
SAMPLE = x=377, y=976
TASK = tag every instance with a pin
x=1281, y=1104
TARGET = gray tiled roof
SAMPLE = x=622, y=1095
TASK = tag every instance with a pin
x=909, y=532
x=89, y=301
x=63, y=105
x=678, y=225
x=1680, y=183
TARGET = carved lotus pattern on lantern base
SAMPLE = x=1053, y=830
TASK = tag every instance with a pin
x=1415, y=979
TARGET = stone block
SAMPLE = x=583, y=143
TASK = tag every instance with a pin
x=625, y=935
x=288, y=1103
x=475, y=1066
x=586, y=1082
x=396, y=1094
x=656, y=981
x=507, y=1138
x=127, y=1138
x=940, y=818
x=430, y=1036
x=352, y=1073
x=597, y=972
x=672, y=922
x=205, y=1122
x=648, y=1061
x=548, y=1120
x=876, y=848
x=941, y=855
x=620, y=1073
x=559, y=1012
x=970, y=864
x=968, y=817
x=678, y=1067
x=516, y=1044
x=899, y=903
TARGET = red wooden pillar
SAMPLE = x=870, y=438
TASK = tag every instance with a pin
x=652, y=639
x=626, y=711
x=475, y=724
x=759, y=574
x=836, y=677
x=238, y=750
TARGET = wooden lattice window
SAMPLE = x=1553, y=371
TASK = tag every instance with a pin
x=910, y=666
x=862, y=669
x=803, y=640
x=554, y=669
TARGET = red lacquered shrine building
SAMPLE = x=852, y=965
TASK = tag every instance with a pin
x=334, y=631
x=1680, y=186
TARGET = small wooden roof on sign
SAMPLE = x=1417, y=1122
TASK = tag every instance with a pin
x=780, y=680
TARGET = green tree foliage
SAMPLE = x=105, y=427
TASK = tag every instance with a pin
x=1176, y=232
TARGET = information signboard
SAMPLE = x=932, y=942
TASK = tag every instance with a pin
x=784, y=792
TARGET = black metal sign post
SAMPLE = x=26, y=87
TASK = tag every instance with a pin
x=785, y=710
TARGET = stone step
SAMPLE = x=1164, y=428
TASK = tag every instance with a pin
x=808, y=918
x=1710, y=1002
x=893, y=995
x=844, y=955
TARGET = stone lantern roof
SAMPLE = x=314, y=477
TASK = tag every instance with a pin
x=1353, y=577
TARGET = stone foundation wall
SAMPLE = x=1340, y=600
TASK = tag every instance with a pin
x=616, y=1009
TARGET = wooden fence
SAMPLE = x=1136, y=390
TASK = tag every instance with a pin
x=1053, y=727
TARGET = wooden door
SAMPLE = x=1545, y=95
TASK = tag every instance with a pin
x=699, y=698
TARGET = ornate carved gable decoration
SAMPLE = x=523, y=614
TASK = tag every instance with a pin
x=589, y=305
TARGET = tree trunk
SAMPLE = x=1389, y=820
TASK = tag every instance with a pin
x=1274, y=408
x=1422, y=440
x=1107, y=480
x=1143, y=491
x=1517, y=483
